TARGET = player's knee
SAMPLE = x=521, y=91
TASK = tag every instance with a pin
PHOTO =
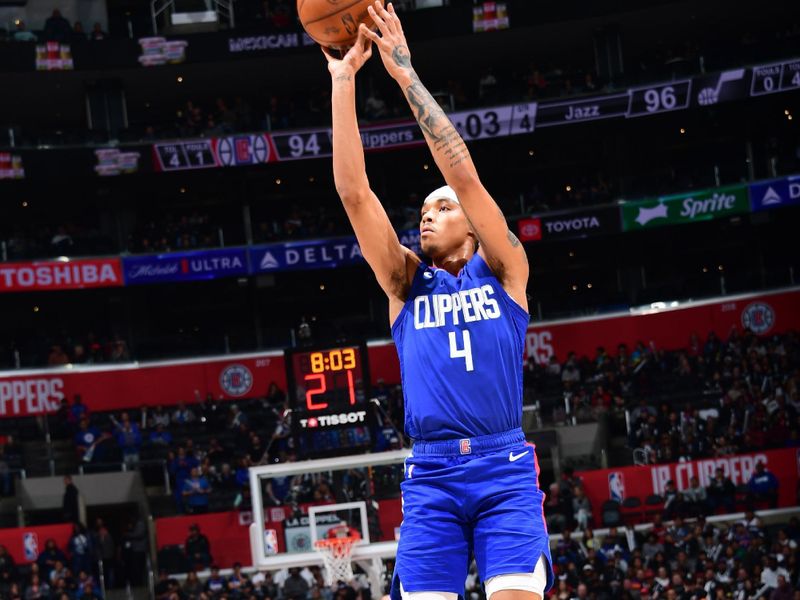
x=519, y=586
x=427, y=595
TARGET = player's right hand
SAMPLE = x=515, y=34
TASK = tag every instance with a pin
x=352, y=61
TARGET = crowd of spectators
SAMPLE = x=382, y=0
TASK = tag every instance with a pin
x=73, y=572
x=713, y=398
x=169, y=232
x=681, y=560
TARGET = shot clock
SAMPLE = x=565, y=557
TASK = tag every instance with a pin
x=328, y=394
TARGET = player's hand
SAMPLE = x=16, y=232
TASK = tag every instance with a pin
x=391, y=42
x=352, y=61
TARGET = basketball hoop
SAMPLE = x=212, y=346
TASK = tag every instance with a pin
x=336, y=550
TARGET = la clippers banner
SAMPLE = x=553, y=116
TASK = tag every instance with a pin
x=642, y=481
x=185, y=266
x=37, y=392
x=569, y=225
x=25, y=543
x=60, y=275
x=666, y=328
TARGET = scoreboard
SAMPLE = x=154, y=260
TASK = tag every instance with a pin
x=329, y=397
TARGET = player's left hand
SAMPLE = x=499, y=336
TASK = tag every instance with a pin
x=353, y=60
x=391, y=42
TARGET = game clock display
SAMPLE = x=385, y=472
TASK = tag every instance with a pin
x=328, y=390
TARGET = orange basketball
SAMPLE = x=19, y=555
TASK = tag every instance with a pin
x=334, y=23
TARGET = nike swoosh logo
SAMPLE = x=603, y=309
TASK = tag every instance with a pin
x=515, y=457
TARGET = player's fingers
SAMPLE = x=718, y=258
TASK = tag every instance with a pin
x=395, y=18
x=369, y=33
x=386, y=16
x=378, y=20
x=325, y=53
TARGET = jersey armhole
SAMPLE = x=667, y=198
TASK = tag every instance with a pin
x=515, y=307
x=412, y=293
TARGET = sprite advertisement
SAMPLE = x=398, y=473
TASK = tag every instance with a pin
x=700, y=205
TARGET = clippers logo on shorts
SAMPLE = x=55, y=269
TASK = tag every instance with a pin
x=616, y=486
x=236, y=380
x=758, y=317
x=30, y=544
x=466, y=447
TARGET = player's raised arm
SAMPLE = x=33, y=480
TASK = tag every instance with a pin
x=392, y=263
x=500, y=246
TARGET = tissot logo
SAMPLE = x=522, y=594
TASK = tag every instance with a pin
x=334, y=420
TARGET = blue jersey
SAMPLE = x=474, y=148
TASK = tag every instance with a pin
x=460, y=340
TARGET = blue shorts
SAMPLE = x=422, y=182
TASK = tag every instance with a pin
x=474, y=497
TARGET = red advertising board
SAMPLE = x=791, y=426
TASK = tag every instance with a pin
x=228, y=533
x=126, y=386
x=666, y=328
x=248, y=376
x=643, y=481
x=60, y=275
x=25, y=543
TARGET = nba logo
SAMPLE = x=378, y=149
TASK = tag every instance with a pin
x=30, y=543
x=465, y=447
x=616, y=486
x=270, y=542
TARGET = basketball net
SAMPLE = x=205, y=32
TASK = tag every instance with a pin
x=336, y=550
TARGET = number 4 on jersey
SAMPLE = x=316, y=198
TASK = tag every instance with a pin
x=466, y=352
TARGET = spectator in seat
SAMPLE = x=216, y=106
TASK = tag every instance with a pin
x=81, y=549
x=57, y=28
x=192, y=587
x=105, y=549
x=88, y=442
x=49, y=557
x=57, y=356
x=195, y=492
x=182, y=416
x=721, y=492
x=237, y=580
x=8, y=570
x=97, y=34
x=784, y=590
x=129, y=438
x=763, y=485
x=157, y=417
x=555, y=512
x=673, y=501
x=77, y=411
x=771, y=574
x=695, y=497
x=198, y=548
x=295, y=587
x=160, y=437
x=78, y=34
x=23, y=35
x=216, y=583
x=581, y=508
x=37, y=589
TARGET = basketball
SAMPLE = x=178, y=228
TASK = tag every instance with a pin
x=334, y=23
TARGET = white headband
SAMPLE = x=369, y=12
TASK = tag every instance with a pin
x=444, y=192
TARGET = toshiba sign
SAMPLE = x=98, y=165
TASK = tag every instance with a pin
x=60, y=275
x=34, y=396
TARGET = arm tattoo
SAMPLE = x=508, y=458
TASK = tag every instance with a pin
x=344, y=77
x=514, y=240
x=434, y=122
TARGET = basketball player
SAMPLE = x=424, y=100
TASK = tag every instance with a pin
x=471, y=484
